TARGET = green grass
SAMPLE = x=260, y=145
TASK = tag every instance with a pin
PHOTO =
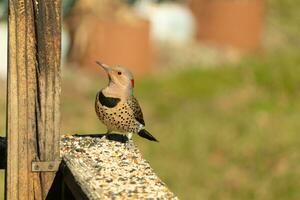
x=229, y=133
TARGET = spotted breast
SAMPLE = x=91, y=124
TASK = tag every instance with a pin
x=118, y=115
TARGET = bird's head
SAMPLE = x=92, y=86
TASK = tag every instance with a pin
x=118, y=77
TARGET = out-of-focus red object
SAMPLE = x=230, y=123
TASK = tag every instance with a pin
x=234, y=23
x=112, y=35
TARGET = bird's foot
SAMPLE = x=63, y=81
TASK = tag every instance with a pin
x=104, y=137
x=129, y=144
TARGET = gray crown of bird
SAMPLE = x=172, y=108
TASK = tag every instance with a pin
x=116, y=106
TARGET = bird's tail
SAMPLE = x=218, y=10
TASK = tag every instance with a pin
x=145, y=134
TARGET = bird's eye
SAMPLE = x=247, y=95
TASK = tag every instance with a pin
x=119, y=73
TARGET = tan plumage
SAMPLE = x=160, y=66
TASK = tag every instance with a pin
x=116, y=106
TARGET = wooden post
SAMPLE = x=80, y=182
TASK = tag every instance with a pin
x=33, y=117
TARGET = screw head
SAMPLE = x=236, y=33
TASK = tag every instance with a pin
x=36, y=167
x=50, y=166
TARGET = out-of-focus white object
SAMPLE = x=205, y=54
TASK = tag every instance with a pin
x=170, y=22
x=65, y=45
x=3, y=50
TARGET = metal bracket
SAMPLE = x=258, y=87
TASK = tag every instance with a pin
x=44, y=166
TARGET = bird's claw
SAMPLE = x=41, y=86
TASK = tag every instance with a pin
x=129, y=144
x=104, y=137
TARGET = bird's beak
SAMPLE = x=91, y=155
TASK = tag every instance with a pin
x=104, y=66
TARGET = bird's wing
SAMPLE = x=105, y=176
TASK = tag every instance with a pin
x=136, y=109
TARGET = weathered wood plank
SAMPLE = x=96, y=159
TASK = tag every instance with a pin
x=33, y=95
x=106, y=169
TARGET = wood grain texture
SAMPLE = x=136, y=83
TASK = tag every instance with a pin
x=33, y=117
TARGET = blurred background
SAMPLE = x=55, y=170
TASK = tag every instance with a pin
x=218, y=81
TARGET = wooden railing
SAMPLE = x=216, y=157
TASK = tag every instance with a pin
x=107, y=169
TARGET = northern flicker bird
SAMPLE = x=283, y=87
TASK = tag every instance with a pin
x=116, y=106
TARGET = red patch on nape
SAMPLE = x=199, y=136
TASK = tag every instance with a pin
x=132, y=83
